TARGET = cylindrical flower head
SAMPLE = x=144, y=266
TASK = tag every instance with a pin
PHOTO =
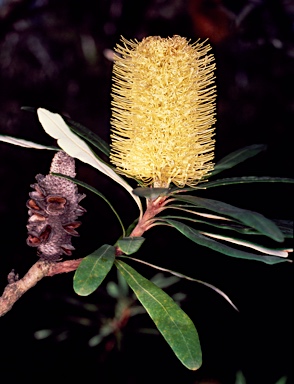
x=163, y=111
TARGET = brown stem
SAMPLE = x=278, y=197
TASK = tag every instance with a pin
x=152, y=209
x=16, y=288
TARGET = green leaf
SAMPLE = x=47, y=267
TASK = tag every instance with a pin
x=88, y=135
x=151, y=193
x=131, y=227
x=55, y=126
x=286, y=226
x=112, y=289
x=93, y=269
x=246, y=180
x=28, y=109
x=280, y=252
x=173, y=323
x=160, y=280
x=95, y=340
x=282, y=380
x=122, y=284
x=130, y=245
x=200, y=239
x=216, y=223
x=94, y=190
x=43, y=334
x=162, y=284
x=252, y=219
x=25, y=143
x=237, y=157
x=240, y=379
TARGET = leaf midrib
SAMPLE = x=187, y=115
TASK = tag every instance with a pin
x=191, y=356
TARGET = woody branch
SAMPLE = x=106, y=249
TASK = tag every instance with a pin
x=43, y=268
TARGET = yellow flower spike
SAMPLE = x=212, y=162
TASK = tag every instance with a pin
x=163, y=111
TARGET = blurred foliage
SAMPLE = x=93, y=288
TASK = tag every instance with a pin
x=106, y=323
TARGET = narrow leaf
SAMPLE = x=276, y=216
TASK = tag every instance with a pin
x=286, y=226
x=246, y=180
x=88, y=135
x=160, y=279
x=237, y=157
x=80, y=130
x=112, y=289
x=173, y=323
x=25, y=143
x=197, y=238
x=93, y=269
x=180, y=275
x=269, y=251
x=240, y=379
x=186, y=208
x=94, y=190
x=43, y=334
x=28, y=109
x=131, y=227
x=123, y=285
x=252, y=219
x=55, y=126
x=282, y=380
x=232, y=226
x=130, y=245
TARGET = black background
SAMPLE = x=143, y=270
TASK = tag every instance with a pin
x=52, y=55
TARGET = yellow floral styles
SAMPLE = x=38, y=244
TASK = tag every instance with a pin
x=163, y=111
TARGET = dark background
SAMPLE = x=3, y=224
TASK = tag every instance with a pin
x=52, y=55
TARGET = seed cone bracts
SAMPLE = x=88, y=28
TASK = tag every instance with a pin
x=54, y=209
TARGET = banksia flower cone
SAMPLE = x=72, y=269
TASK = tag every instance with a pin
x=53, y=210
x=163, y=111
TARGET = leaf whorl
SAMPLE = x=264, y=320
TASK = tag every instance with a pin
x=53, y=210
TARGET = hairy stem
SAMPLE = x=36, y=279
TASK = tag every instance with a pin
x=147, y=220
